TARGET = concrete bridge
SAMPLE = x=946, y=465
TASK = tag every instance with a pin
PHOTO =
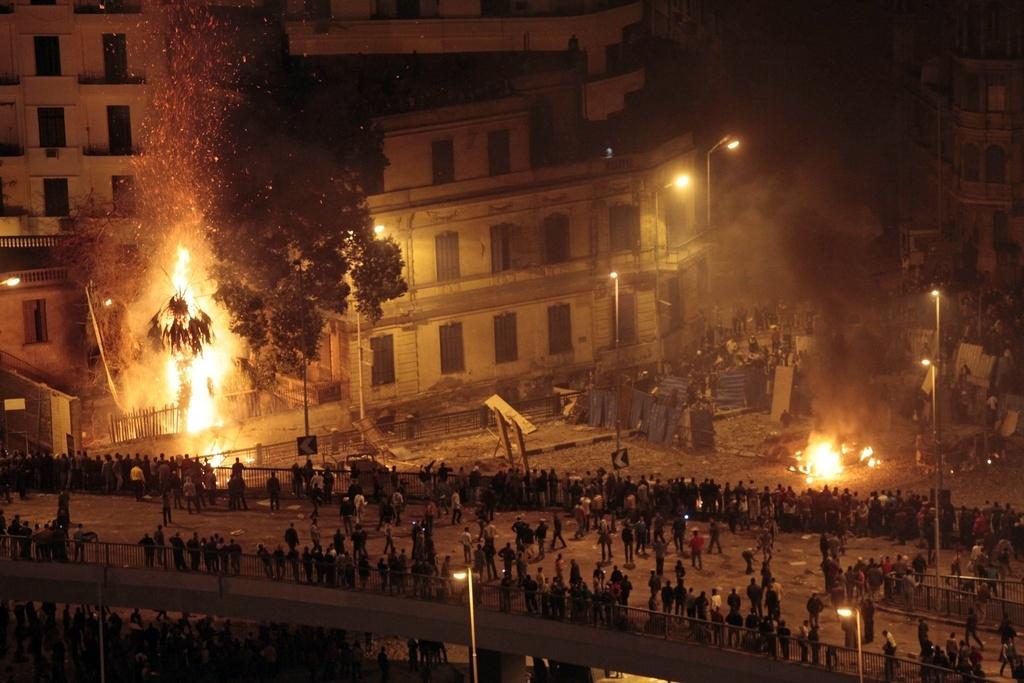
x=630, y=640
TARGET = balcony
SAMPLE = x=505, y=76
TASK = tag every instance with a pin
x=970, y=189
x=107, y=7
x=109, y=79
x=107, y=151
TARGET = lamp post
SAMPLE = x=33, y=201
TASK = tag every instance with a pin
x=730, y=143
x=467, y=575
x=936, y=428
x=846, y=613
x=615, y=278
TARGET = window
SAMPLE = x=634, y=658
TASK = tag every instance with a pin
x=506, y=348
x=123, y=191
x=542, y=134
x=43, y=2
x=446, y=249
x=556, y=238
x=674, y=300
x=51, y=127
x=383, y=349
x=443, y=159
x=452, y=359
x=970, y=163
x=115, y=57
x=703, y=278
x=34, y=314
x=498, y=152
x=1000, y=229
x=55, y=197
x=677, y=220
x=624, y=223
x=971, y=93
x=996, y=93
x=994, y=23
x=501, y=248
x=995, y=164
x=119, y=129
x=47, y=55
x=627, y=317
x=559, y=329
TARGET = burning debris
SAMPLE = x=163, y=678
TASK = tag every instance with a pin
x=827, y=457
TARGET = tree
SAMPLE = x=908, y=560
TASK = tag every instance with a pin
x=292, y=226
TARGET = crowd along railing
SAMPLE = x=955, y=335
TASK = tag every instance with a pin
x=553, y=605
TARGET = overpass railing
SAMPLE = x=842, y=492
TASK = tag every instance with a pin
x=555, y=605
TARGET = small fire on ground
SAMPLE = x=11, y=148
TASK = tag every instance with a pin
x=826, y=458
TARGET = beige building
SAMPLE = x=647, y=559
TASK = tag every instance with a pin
x=72, y=96
x=509, y=265
x=513, y=208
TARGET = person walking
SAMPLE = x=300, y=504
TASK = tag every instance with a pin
x=697, y=550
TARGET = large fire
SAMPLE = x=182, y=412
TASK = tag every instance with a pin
x=826, y=458
x=194, y=377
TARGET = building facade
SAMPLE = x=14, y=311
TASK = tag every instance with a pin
x=961, y=65
x=514, y=206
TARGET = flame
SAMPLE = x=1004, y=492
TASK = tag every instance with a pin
x=201, y=375
x=826, y=459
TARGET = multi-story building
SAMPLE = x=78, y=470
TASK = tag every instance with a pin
x=516, y=197
x=72, y=96
x=961, y=62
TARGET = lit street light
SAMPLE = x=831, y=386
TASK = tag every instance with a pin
x=12, y=281
x=467, y=576
x=846, y=613
x=680, y=181
x=378, y=230
x=731, y=144
x=936, y=429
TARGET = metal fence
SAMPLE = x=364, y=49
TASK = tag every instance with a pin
x=511, y=600
x=950, y=602
x=1010, y=591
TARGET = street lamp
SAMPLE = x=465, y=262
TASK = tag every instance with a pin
x=467, y=576
x=12, y=281
x=615, y=278
x=378, y=230
x=680, y=181
x=730, y=144
x=846, y=613
x=936, y=429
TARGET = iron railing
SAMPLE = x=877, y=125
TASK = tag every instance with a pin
x=1009, y=591
x=559, y=606
x=949, y=602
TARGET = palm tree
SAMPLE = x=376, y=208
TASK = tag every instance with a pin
x=181, y=328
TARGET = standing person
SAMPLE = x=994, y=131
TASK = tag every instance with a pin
x=138, y=481
x=971, y=628
x=556, y=534
x=189, y=488
x=274, y=491
x=697, y=550
x=715, y=532
x=165, y=502
x=889, y=648
x=456, y=501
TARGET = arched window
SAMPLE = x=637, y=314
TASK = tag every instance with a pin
x=969, y=163
x=995, y=164
x=1000, y=229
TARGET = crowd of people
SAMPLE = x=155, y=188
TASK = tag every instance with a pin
x=634, y=521
x=59, y=643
